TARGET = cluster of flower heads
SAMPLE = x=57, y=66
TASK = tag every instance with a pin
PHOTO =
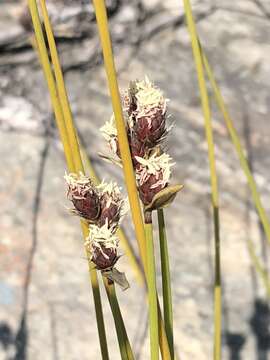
x=145, y=110
x=103, y=207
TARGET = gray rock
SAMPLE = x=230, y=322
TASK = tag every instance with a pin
x=52, y=317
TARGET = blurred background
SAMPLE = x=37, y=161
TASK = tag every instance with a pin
x=46, y=305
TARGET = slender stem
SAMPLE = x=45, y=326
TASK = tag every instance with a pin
x=99, y=314
x=152, y=289
x=245, y=166
x=97, y=299
x=62, y=90
x=102, y=22
x=238, y=147
x=72, y=156
x=259, y=267
x=166, y=281
x=43, y=55
x=123, y=341
x=214, y=185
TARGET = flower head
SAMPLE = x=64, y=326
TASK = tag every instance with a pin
x=153, y=175
x=146, y=107
x=83, y=195
x=102, y=243
x=113, y=206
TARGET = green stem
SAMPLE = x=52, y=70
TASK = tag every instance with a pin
x=152, y=289
x=259, y=267
x=166, y=281
x=99, y=314
x=217, y=289
x=214, y=183
x=238, y=147
x=68, y=150
x=123, y=341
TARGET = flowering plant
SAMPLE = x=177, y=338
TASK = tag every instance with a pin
x=103, y=208
x=145, y=111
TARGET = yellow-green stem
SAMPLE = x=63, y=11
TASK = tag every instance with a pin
x=166, y=281
x=43, y=55
x=123, y=341
x=62, y=90
x=214, y=186
x=152, y=289
x=259, y=267
x=245, y=166
x=238, y=147
x=102, y=22
x=69, y=154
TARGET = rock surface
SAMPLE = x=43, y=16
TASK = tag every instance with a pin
x=46, y=309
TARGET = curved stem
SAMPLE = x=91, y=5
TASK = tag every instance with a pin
x=238, y=147
x=213, y=175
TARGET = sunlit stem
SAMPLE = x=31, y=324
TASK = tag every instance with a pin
x=214, y=184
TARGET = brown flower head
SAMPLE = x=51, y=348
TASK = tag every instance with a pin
x=84, y=196
x=113, y=206
x=137, y=148
x=102, y=244
x=146, y=107
x=153, y=175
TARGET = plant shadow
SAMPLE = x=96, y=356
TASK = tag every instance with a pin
x=259, y=323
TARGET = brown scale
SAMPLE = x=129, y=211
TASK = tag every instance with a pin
x=105, y=258
x=110, y=213
x=146, y=191
x=87, y=206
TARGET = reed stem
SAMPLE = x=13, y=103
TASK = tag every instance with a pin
x=166, y=281
x=245, y=166
x=152, y=289
x=214, y=185
x=123, y=341
x=63, y=98
x=238, y=147
x=43, y=56
x=102, y=22
x=72, y=156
